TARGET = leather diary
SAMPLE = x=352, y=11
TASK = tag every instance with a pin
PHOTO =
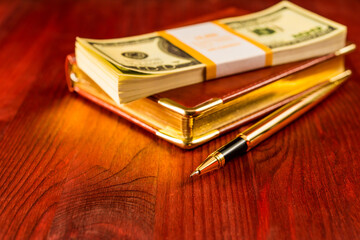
x=192, y=115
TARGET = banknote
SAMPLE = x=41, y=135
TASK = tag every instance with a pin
x=284, y=26
x=148, y=53
x=281, y=27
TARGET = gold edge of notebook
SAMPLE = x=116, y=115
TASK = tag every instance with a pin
x=179, y=140
x=183, y=137
x=188, y=143
x=186, y=111
x=191, y=142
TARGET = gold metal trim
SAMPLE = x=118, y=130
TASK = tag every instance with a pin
x=73, y=77
x=337, y=79
x=246, y=138
x=345, y=50
x=185, y=111
x=219, y=157
x=188, y=143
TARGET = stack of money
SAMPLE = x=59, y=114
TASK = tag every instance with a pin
x=135, y=67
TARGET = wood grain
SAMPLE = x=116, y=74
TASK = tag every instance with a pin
x=72, y=170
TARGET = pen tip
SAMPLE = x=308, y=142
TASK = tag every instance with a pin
x=197, y=172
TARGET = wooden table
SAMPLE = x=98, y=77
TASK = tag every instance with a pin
x=70, y=169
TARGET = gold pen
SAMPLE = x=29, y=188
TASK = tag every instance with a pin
x=269, y=125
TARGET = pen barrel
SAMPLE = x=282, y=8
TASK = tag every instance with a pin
x=289, y=112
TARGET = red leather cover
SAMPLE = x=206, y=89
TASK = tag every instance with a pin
x=229, y=88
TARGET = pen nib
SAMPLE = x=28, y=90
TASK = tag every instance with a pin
x=196, y=172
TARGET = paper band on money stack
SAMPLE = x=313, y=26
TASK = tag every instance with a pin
x=135, y=67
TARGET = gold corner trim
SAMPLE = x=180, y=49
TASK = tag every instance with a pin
x=345, y=50
x=341, y=76
x=162, y=134
x=185, y=111
x=187, y=143
x=73, y=77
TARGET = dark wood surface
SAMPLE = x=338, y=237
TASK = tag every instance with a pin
x=71, y=170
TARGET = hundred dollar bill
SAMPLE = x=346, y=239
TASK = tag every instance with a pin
x=293, y=33
x=282, y=27
x=148, y=53
x=280, y=34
